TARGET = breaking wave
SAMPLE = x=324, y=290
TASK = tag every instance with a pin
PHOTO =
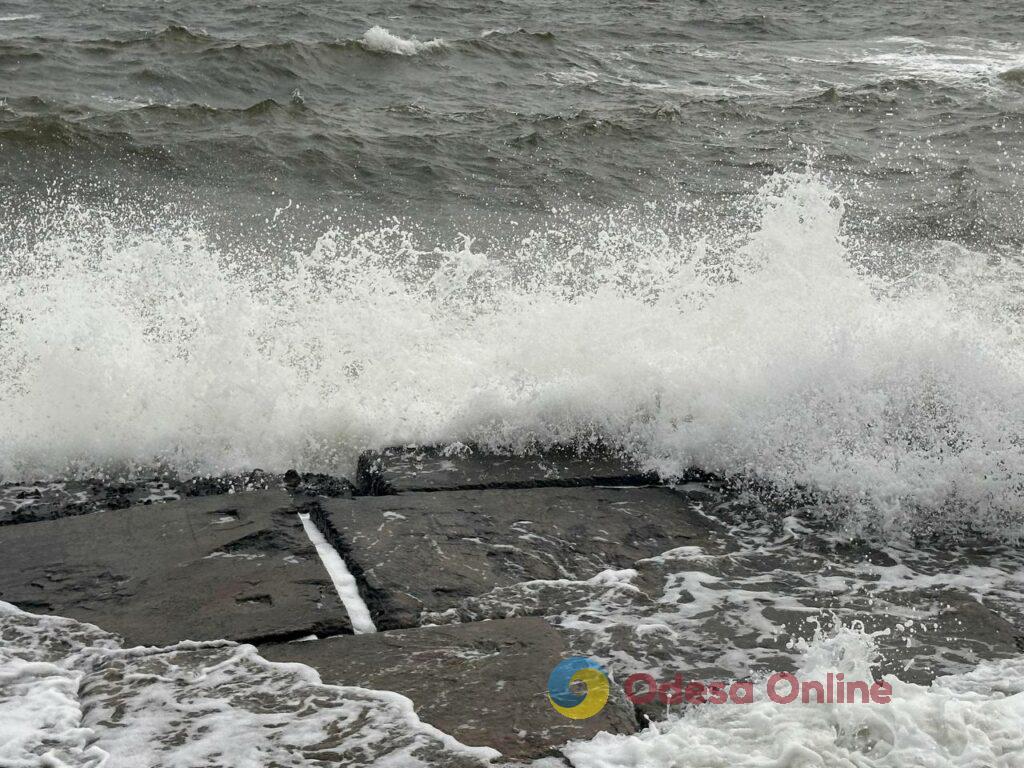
x=765, y=349
x=380, y=40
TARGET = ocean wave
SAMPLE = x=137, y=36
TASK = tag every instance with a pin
x=121, y=126
x=51, y=131
x=757, y=350
x=636, y=122
x=172, y=34
x=377, y=39
x=517, y=32
x=179, y=33
x=380, y=40
x=185, y=112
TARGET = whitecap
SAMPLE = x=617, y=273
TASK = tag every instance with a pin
x=380, y=40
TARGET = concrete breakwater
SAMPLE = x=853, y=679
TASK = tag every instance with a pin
x=482, y=572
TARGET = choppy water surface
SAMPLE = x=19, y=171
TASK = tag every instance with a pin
x=452, y=109
x=779, y=242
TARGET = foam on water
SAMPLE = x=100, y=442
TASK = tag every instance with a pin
x=729, y=608
x=963, y=720
x=955, y=61
x=71, y=695
x=760, y=349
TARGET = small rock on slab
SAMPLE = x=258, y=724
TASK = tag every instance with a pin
x=395, y=470
x=425, y=552
x=235, y=566
x=484, y=683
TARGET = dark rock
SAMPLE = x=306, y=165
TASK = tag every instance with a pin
x=234, y=566
x=961, y=631
x=257, y=480
x=424, y=552
x=466, y=468
x=483, y=683
x=33, y=502
x=52, y=500
x=314, y=484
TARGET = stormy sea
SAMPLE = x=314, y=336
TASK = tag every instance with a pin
x=768, y=256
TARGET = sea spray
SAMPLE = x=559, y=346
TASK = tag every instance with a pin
x=757, y=347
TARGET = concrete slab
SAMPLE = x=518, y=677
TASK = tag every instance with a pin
x=236, y=566
x=425, y=552
x=483, y=683
x=396, y=470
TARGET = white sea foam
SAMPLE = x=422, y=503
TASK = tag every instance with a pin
x=71, y=695
x=963, y=721
x=760, y=350
x=379, y=39
x=954, y=62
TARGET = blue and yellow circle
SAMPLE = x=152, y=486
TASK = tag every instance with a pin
x=578, y=669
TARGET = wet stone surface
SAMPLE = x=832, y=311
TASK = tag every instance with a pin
x=485, y=577
x=484, y=683
x=235, y=566
x=736, y=606
x=425, y=552
x=34, y=502
x=460, y=467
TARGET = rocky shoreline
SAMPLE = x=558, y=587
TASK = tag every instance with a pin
x=481, y=572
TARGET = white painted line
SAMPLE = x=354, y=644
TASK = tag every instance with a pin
x=344, y=582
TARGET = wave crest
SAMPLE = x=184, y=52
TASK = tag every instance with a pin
x=380, y=40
